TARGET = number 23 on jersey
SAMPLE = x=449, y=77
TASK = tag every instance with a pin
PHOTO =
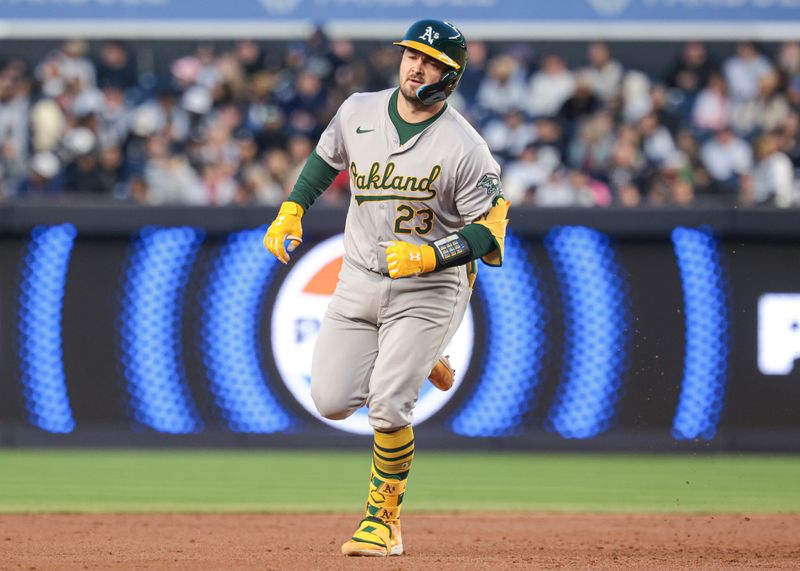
x=405, y=221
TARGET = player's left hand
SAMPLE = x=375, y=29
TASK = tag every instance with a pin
x=404, y=259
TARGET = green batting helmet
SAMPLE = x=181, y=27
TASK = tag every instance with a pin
x=443, y=42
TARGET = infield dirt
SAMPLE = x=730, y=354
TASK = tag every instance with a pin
x=441, y=542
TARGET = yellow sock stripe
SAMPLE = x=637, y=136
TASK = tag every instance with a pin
x=393, y=465
x=393, y=450
x=396, y=457
x=386, y=470
x=391, y=441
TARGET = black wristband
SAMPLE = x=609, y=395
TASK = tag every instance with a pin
x=452, y=250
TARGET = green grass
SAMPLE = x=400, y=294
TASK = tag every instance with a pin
x=269, y=480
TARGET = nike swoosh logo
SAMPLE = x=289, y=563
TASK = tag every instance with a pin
x=361, y=131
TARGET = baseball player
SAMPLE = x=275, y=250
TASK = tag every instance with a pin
x=426, y=204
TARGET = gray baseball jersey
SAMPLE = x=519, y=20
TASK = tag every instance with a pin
x=380, y=337
x=433, y=185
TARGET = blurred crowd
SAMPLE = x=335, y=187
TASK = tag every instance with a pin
x=235, y=125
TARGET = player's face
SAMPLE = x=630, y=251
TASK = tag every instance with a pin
x=418, y=69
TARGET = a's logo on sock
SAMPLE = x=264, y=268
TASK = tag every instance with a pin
x=296, y=318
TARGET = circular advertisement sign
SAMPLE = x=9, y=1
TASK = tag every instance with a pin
x=296, y=318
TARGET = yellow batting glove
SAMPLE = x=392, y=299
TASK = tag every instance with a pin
x=286, y=226
x=404, y=259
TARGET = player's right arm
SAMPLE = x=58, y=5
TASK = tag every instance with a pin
x=314, y=179
x=321, y=168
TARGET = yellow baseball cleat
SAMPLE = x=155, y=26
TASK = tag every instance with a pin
x=442, y=376
x=375, y=538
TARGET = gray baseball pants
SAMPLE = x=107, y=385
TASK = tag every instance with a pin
x=380, y=339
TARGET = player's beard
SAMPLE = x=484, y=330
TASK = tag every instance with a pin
x=409, y=93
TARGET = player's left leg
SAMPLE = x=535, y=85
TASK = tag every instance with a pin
x=421, y=318
x=379, y=534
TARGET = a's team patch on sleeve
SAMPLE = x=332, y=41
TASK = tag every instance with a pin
x=490, y=182
x=451, y=250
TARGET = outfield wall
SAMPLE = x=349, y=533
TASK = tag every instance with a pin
x=614, y=329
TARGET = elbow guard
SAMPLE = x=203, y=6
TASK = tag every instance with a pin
x=496, y=220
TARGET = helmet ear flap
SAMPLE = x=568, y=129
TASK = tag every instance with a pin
x=439, y=91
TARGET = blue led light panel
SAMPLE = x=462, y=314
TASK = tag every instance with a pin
x=706, y=337
x=516, y=321
x=150, y=329
x=596, y=317
x=44, y=274
x=232, y=304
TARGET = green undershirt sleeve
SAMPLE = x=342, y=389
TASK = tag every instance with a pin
x=479, y=238
x=314, y=179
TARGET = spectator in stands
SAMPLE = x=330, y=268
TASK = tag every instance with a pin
x=43, y=177
x=565, y=189
x=727, y=158
x=114, y=116
x=168, y=177
x=250, y=56
x=273, y=131
x=689, y=148
x=524, y=175
x=692, y=70
x=67, y=66
x=657, y=144
x=787, y=63
x=280, y=169
x=604, y=72
x=789, y=138
x=216, y=184
x=711, y=110
x=582, y=102
x=788, y=59
x=636, y=100
x=115, y=67
x=299, y=149
x=744, y=71
x=509, y=135
x=549, y=87
x=83, y=175
x=503, y=88
x=627, y=196
x=196, y=102
x=14, y=104
x=590, y=150
x=110, y=171
x=94, y=173
x=671, y=184
x=550, y=140
x=344, y=65
x=793, y=93
x=772, y=181
x=231, y=85
x=304, y=105
x=627, y=170
x=382, y=67
x=766, y=112
x=663, y=108
x=475, y=72
x=207, y=69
